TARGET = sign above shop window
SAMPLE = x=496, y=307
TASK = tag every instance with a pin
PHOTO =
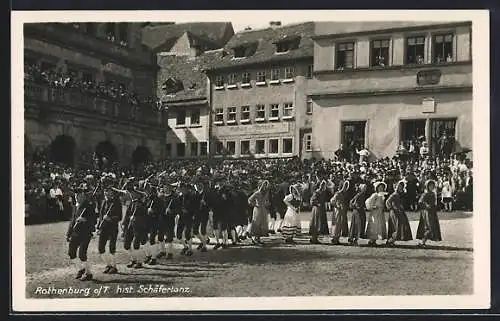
x=428, y=77
x=428, y=105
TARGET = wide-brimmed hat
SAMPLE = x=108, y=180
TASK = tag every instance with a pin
x=428, y=182
x=400, y=182
x=378, y=183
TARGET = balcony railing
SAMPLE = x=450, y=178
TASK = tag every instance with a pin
x=78, y=101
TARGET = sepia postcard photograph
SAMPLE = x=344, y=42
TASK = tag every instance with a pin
x=250, y=160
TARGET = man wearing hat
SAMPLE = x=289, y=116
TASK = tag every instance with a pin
x=110, y=215
x=80, y=231
x=201, y=215
x=166, y=220
x=134, y=225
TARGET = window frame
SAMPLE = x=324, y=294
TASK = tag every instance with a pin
x=275, y=71
x=274, y=108
x=263, y=147
x=283, y=145
x=177, y=114
x=346, y=123
x=219, y=82
x=289, y=71
x=203, y=149
x=259, y=109
x=270, y=145
x=245, y=112
x=373, y=62
x=195, y=111
x=219, y=112
x=310, y=71
x=288, y=106
x=245, y=78
x=231, y=111
x=232, y=80
x=308, y=142
x=241, y=147
x=259, y=80
x=407, y=46
x=228, y=148
x=309, y=107
x=443, y=43
x=338, y=50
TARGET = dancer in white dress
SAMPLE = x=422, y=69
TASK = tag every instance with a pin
x=260, y=202
x=376, y=228
x=291, y=222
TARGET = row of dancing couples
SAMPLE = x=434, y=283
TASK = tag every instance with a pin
x=372, y=225
x=151, y=217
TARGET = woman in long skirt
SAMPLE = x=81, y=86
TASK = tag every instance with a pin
x=428, y=226
x=358, y=220
x=319, y=224
x=291, y=222
x=376, y=228
x=340, y=203
x=260, y=202
x=399, y=226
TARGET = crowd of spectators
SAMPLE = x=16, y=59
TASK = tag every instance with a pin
x=49, y=185
x=110, y=90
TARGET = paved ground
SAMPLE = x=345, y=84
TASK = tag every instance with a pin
x=276, y=269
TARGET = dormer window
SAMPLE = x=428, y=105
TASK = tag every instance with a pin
x=282, y=47
x=245, y=50
x=239, y=52
x=286, y=44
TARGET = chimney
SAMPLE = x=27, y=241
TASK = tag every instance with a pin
x=275, y=24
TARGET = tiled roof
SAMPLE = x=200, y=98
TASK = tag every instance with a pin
x=266, y=49
x=217, y=33
x=189, y=70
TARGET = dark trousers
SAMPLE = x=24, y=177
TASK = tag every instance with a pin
x=109, y=233
x=200, y=222
x=152, y=228
x=135, y=234
x=166, y=228
x=185, y=225
x=79, y=243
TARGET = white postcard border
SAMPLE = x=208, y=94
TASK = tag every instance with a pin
x=481, y=216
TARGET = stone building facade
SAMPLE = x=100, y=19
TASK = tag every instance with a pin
x=68, y=122
x=380, y=84
x=183, y=50
x=258, y=93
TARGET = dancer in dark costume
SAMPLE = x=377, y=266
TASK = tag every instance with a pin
x=399, y=226
x=428, y=226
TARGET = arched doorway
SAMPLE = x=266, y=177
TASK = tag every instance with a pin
x=62, y=150
x=141, y=155
x=106, y=153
